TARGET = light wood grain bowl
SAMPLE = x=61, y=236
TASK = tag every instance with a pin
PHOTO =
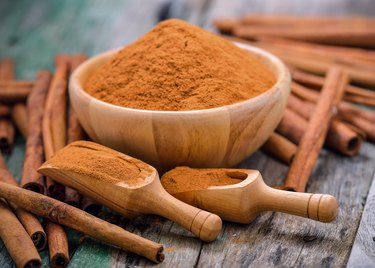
x=217, y=137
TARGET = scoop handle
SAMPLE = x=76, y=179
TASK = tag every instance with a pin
x=203, y=224
x=320, y=207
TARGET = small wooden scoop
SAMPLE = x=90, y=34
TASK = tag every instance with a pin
x=81, y=165
x=243, y=201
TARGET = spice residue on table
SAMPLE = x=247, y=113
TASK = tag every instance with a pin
x=179, y=66
x=184, y=179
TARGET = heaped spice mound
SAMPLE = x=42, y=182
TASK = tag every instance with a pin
x=179, y=66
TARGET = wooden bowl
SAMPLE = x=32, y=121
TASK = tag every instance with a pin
x=216, y=137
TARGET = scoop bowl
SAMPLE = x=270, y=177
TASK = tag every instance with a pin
x=216, y=137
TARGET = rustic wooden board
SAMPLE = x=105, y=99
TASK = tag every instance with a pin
x=363, y=251
x=32, y=32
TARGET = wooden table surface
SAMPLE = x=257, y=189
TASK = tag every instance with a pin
x=32, y=32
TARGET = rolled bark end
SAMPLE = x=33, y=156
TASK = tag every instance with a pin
x=160, y=255
x=33, y=264
x=59, y=261
x=35, y=187
x=40, y=240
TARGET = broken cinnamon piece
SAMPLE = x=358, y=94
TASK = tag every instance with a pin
x=280, y=148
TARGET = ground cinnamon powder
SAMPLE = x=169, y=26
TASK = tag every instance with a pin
x=101, y=163
x=183, y=179
x=179, y=66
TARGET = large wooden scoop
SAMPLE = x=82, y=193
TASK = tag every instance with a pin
x=243, y=201
x=126, y=185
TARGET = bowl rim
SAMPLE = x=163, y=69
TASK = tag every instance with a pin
x=282, y=70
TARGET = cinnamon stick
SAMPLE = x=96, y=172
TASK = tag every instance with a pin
x=340, y=137
x=58, y=244
x=358, y=75
x=317, y=65
x=34, y=154
x=28, y=220
x=280, y=148
x=317, y=129
x=75, y=132
x=4, y=110
x=360, y=118
x=54, y=126
x=364, y=55
x=14, y=91
x=20, y=118
x=355, y=35
x=367, y=126
x=58, y=116
x=81, y=221
x=16, y=240
x=305, y=21
x=360, y=99
x=6, y=135
x=7, y=69
x=226, y=25
x=353, y=93
x=292, y=126
x=6, y=126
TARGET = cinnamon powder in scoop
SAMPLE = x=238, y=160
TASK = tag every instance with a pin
x=179, y=66
x=184, y=179
x=100, y=163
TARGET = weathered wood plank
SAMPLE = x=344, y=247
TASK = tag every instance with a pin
x=363, y=251
x=276, y=239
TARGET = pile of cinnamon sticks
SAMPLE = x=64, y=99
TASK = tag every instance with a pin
x=314, y=49
x=40, y=111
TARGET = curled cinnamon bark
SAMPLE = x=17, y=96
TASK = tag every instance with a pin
x=81, y=221
x=316, y=131
x=360, y=118
x=28, y=220
x=280, y=148
x=340, y=137
x=16, y=240
x=54, y=120
x=34, y=153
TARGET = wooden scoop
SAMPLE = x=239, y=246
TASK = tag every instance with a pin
x=243, y=201
x=99, y=173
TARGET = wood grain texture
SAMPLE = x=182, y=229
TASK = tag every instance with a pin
x=32, y=32
x=363, y=251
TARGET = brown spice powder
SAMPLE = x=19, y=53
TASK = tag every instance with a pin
x=179, y=66
x=184, y=179
x=101, y=163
